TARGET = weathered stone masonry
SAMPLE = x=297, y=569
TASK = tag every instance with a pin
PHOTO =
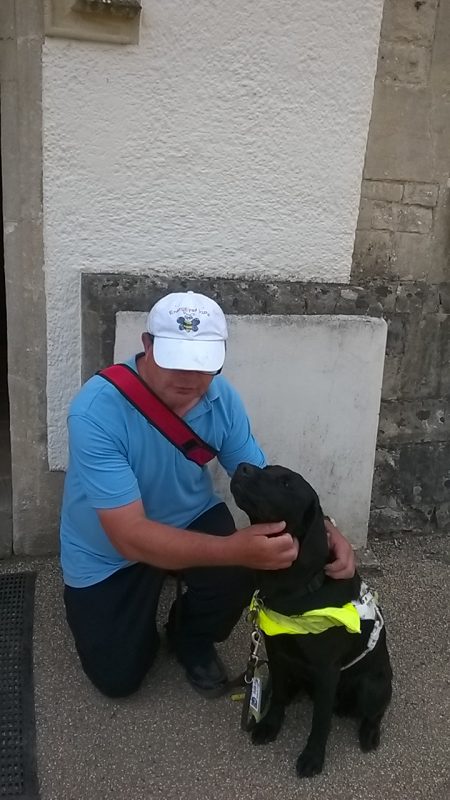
x=412, y=477
x=402, y=242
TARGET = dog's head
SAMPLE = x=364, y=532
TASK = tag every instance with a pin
x=276, y=493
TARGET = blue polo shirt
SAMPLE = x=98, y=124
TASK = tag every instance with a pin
x=117, y=457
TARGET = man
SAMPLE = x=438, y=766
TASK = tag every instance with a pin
x=135, y=507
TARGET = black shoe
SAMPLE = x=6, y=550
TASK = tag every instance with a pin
x=206, y=673
x=204, y=669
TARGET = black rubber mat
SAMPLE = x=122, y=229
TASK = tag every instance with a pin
x=18, y=774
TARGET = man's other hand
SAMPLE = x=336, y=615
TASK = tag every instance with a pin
x=343, y=564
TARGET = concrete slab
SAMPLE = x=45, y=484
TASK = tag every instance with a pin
x=312, y=387
x=167, y=742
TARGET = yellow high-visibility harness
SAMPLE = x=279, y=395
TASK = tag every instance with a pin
x=321, y=619
x=315, y=621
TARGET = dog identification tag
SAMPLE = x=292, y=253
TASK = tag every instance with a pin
x=255, y=697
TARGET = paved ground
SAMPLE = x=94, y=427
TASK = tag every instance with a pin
x=167, y=742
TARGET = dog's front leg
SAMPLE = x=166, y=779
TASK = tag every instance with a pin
x=310, y=761
x=268, y=728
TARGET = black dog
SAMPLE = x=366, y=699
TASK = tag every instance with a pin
x=317, y=662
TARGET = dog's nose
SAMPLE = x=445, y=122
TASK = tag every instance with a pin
x=245, y=469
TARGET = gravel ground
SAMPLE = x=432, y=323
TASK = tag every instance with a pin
x=167, y=742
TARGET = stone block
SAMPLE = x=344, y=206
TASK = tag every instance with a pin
x=382, y=190
x=438, y=266
x=29, y=18
x=36, y=519
x=359, y=300
x=411, y=488
x=444, y=297
x=5, y=516
x=7, y=19
x=397, y=331
x=407, y=421
x=440, y=68
x=115, y=21
x=421, y=194
x=319, y=299
x=403, y=63
x=424, y=473
x=5, y=487
x=6, y=528
x=367, y=562
x=12, y=206
x=8, y=60
x=422, y=364
x=444, y=377
x=391, y=377
x=413, y=219
x=395, y=348
x=417, y=297
x=439, y=127
x=412, y=255
x=386, y=293
x=29, y=139
x=21, y=135
x=375, y=214
x=373, y=254
x=23, y=255
x=373, y=299
x=364, y=222
x=399, y=144
x=409, y=21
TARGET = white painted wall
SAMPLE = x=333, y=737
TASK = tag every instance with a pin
x=312, y=387
x=229, y=141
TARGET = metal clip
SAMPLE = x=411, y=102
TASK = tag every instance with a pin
x=256, y=641
x=253, y=658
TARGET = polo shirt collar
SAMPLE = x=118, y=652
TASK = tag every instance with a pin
x=203, y=405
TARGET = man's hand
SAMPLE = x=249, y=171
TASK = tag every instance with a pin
x=263, y=547
x=343, y=565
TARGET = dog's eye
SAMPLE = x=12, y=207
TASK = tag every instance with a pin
x=286, y=483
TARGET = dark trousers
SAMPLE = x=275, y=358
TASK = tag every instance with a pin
x=113, y=622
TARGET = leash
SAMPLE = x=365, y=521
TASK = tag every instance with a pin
x=255, y=680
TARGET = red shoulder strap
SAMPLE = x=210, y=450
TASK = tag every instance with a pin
x=178, y=432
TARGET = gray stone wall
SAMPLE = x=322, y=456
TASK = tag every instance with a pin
x=403, y=234
x=412, y=478
x=35, y=491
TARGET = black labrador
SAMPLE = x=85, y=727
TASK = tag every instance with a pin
x=317, y=662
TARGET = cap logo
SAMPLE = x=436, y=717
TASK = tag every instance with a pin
x=188, y=323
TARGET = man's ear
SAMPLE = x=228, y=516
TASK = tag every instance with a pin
x=147, y=341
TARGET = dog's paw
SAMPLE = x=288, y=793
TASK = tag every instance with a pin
x=309, y=763
x=265, y=731
x=369, y=735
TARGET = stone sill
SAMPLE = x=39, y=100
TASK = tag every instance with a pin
x=114, y=21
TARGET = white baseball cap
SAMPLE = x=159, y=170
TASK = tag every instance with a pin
x=189, y=332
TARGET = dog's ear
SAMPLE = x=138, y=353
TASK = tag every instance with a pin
x=314, y=544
